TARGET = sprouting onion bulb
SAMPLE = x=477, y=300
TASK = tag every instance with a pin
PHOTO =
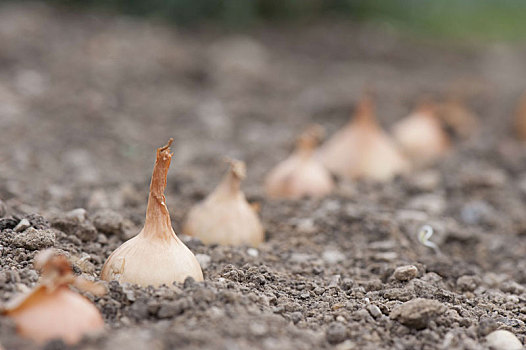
x=302, y=174
x=362, y=149
x=155, y=256
x=225, y=217
x=520, y=118
x=421, y=135
x=52, y=310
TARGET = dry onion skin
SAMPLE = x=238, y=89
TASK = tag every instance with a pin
x=520, y=118
x=302, y=174
x=362, y=149
x=421, y=135
x=52, y=310
x=156, y=256
x=225, y=217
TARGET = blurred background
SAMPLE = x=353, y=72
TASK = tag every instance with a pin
x=89, y=89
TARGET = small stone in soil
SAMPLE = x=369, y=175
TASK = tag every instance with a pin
x=336, y=333
x=503, y=340
x=22, y=225
x=204, y=260
x=405, y=273
x=333, y=256
x=374, y=311
x=417, y=313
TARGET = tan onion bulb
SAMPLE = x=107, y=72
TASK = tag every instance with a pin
x=155, y=256
x=520, y=118
x=421, y=135
x=362, y=149
x=456, y=117
x=225, y=217
x=52, y=310
x=302, y=174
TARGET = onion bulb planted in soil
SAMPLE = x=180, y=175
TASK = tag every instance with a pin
x=301, y=174
x=52, y=310
x=362, y=150
x=421, y=135
x=225, y=217
x=156, y=255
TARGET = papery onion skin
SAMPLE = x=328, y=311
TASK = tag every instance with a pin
x=362, y=150
x=421, y=135
x=301, y=174
x=155, y=256
x=61, y=313
x=225, y=217
x=52, y=310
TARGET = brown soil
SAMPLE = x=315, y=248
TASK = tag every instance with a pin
x=86, y=99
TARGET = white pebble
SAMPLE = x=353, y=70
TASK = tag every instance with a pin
x=253, y=252
x=503, y=340
x=204, y=260
x=333, y=256
x=22, y=225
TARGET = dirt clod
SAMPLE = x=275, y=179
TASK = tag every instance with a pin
x=417, y=313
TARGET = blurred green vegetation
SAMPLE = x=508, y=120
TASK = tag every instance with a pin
x=484, y=19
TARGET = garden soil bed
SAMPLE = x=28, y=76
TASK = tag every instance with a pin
x=85, y=99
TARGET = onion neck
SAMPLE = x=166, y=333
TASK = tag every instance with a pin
x=364, y=114
x=158, y=223
x=230, y=186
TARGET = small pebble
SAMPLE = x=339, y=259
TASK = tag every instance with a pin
x=336, y=333
x=79, y=215
x=417, y=313
x=22, y=225
x=204, y=260
x=503, y=340
x=405, y=273
x=253, y=252
x=374, y=311
x=333, y=256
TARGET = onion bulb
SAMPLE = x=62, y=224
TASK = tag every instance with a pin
x=421, y=135
x=302, y=174
x=155, y=256
x=520, y=118
x=362, y=149
x=456, y=118
x=225, y=217
x=52, y=310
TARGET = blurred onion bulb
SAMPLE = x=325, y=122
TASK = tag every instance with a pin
x=155, y=256
x=362, y=149
x=302, y=174
x=421, y=135
x=520, y=118
x=456, y=118
x=52, y=310
x=225, y=217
